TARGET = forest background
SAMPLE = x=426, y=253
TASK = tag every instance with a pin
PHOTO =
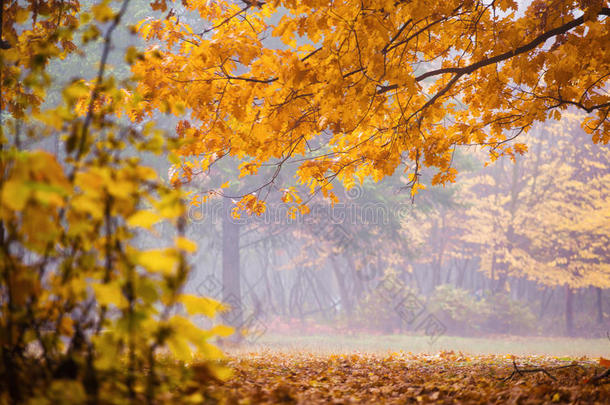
x=368, y=198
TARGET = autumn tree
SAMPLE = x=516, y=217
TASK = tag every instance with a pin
x=383, y=84
x=544, y=216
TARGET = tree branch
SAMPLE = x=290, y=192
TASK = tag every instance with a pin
x=460, y=71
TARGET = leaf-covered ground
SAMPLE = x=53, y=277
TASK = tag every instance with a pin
x=399, y=378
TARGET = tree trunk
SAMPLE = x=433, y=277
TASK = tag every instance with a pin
x=418, y=285
x=346, y=302
x=358, y=276
x=279, y=287
x=600, y=307
x=462, y=274
x=569, y=311
x=265, y=269
x=545, y=300
x=231, y=289
x=449, y=271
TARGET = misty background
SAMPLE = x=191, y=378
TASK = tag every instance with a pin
x=514, y=248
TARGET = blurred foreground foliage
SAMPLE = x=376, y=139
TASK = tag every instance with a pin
x=86, y=314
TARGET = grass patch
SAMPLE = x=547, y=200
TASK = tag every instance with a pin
x=517, y=345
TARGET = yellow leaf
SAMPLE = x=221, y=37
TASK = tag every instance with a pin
x=222, y=330
x=159, y=261
x=120, y=189
x=48, y=194
x=185, y=244
x=15, y=194
x=174, y=159
x=225, y=185
x=416, y=187
x=102, y=12
x=170, y=206
x=75, y=91
x=221, y=372
x=131, y=55
x=66, y=326
x=179, y=347
x=210, y=351
x=201, y=305
x=144, y=219
x=89, y=205
x=22, y=15
x=109, y=294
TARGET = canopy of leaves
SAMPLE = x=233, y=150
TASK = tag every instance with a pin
x=380, y=84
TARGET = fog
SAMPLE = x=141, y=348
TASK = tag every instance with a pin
x=513, y=252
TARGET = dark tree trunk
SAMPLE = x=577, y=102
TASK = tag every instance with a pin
x=449, y=271
x=501, y=284
x=545, y=300
x=231, y=288
x=569, y=311
x=462, y=274
x=417, y=283
x=521, y=288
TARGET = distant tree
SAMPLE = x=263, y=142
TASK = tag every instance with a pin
x=545, y=216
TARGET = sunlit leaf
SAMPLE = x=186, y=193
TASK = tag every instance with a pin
x=201, y=305
x=145, y=219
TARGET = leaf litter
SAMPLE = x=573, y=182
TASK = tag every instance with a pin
x=270, y=377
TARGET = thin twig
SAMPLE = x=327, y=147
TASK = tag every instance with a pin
x=100, y=77
x=600, y=377
x=523, y=371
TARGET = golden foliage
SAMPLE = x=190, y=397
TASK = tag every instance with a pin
x=387, y=82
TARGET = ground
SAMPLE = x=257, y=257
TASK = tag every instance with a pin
x=307, y=370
